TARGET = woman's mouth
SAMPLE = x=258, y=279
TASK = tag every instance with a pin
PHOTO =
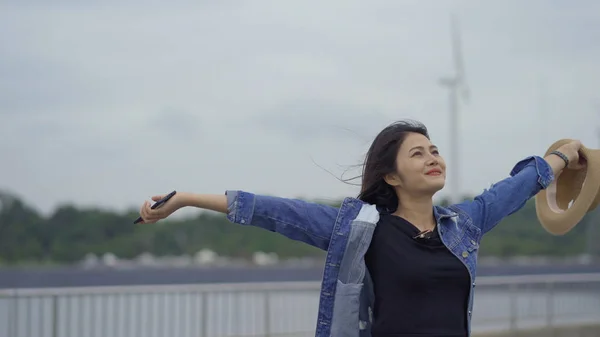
x=434, y=172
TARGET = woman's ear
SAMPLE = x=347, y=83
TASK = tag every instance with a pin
x=392, y=179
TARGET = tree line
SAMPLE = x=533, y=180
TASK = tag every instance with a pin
x=69, y=233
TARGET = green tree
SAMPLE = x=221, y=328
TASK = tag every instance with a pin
x=69, y=233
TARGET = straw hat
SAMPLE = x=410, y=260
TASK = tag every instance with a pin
x=552, y=204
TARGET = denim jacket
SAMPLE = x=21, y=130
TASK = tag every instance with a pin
x=346, y=298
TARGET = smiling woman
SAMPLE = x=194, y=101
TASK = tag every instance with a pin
x=396, y=264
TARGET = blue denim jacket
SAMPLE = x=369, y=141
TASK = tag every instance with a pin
x=347, y=298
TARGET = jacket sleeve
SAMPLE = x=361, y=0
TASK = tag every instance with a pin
x=298, y=220
x=527, y=178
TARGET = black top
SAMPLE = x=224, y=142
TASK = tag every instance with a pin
x=421, y=288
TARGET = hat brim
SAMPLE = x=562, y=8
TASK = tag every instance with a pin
x=577, y=188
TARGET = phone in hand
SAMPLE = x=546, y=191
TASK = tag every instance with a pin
x=157, y=205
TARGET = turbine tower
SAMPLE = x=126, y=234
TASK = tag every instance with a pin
x=457, y=88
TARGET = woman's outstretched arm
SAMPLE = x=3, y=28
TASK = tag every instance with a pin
x=299, y=220
x=527, y=178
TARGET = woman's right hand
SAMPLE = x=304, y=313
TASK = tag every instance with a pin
x=150, y=215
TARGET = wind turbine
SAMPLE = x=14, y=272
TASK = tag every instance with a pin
x=457, y=88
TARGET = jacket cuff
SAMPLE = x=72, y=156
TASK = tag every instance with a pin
x=240, y=207
x=545, y=175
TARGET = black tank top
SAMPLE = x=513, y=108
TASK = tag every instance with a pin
x=421, y=288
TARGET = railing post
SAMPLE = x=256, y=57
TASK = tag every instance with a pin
x=550, y=307
x=12, y=314
x=267, y=315
x=54, y=313
x=514, y=308
x=204, y=320
x=16, y=315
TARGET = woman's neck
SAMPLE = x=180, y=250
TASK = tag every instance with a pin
x=419, y=212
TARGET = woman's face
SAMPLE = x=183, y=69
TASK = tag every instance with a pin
x=419, y=167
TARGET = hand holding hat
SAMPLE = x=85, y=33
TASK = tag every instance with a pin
x=567, y=199
x=571, y=151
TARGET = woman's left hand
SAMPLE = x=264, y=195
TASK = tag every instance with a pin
x=571, y=150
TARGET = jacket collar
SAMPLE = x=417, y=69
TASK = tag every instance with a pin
x=441, y=212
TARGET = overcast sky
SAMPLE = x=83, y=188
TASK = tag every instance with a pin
x=107, y=104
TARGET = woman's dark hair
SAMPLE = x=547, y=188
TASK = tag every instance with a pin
x=381, y=160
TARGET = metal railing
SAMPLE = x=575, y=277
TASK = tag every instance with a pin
x=508, y=303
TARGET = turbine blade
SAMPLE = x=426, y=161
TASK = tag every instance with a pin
x=458, y=57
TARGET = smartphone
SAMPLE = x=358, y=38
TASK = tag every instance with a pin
x=157, y=205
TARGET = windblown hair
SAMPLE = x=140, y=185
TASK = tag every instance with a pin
x=381, y=160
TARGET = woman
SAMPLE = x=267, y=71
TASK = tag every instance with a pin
x=396, y=264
